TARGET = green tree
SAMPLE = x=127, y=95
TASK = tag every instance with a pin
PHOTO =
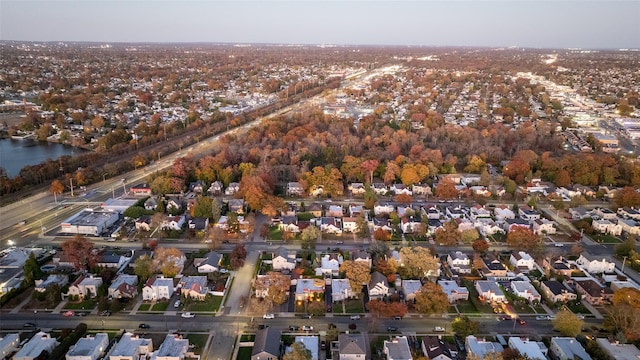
x=567, y=323
x=203, y=208
x=309, y=236
x=31, y=270
x=363, y=226
x=144, y=268
x=464, y=327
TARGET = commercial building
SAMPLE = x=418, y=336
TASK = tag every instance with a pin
x=89, y=222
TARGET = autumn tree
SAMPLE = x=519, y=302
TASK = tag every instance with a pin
x=431, y=299
x=379, y=308
x=276, y=284
x=480, y=246
x=370, y=166
x=238, y=256
x=310, y=234
x=469, y=235
x=521, y=238
x=448, y=234
x=143, y=268
x=298, y=352
x=627, y=197
x=80, y=252
x=56, y=188
x=168, y=261
x=417, y=262
x=316, y=308
x=624, y=315
x=381, y=235
x=567, y=323
x=362, y=226
x=203, y=207
x=464, y=326
x=446, y=189
x=328, y=177
x=357, y=272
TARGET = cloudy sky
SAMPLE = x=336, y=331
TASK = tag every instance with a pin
x=609, y=24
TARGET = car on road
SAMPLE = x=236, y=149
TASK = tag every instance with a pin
x=323, y=345
x=521, y=322
x=542, y=317
x=559, y=245
x=105, y=313
x=144, y=326
x=506, y=317
x=29, y=324
x=268, y=316
x=438, y=329
x=392, y=328
x=294, y=328
x=397, y=318
x=68, y=313
x=354, y=317
x=82, y=314
x=307, y=328
x=188, y=315
x=306, y=316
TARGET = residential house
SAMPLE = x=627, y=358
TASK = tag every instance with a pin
x=198, y=223
x=89, y=347
x=397, y=348
x=283, y=260
x=331, y=225
x=579, y=213
x=489, y=291
x=378, y=286
x=544, y=227
x=606, y=227
x=510, y=224
x=629, y=226
x=479, y=212
x=111, y=260
x=455, y=212
x=383, y=209
x=469, y=179
x=84, y=287
x=379, y=188
x=433, y=213
x=210, y=263
x=60, y=279
x=454, y=291
x=233, y=188
x=341, y=290
x=411, y=288
x=488, y=227
x=604, y=213
x=465, y=224
x=151, y=203
x=594, y=293
x=567, y=348
x=356, y=188
x=361, y=256
x=522, y=261
x=410, y=225
x=595, y=266
x=356, y=210
x=525, y=289
x=615, y=350
x=330, y=264
x=335, y=211
x=174, y=203
x=314, y=209
x=459, y=262
x=398, y=189
x=263, y=283
x=123, y=286
x=350, y=224
x=143, y=223
x=236, y=206
x=310, y=342
x=131, y=347
x=558, y=265
x=157, y=288
x=352, y=347
x=493, y=268
x=197, y=186
x=382, y=223
x=531, y=349
x=629, y=213
x=174, y=347
x=480, y=348
x=173, y=223
x=194, y=287
x=140, y=190
x=585, y=191
x=294, y=189
x=502, y=213
x=434, y=348
x=38, y=344
x=421, y=189
x=215, y=189
x=8, y=344
x=309, y=288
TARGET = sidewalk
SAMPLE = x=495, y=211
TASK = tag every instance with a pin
x=136, y=306
x=20, y=306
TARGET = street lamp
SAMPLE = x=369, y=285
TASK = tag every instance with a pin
x=35, y=312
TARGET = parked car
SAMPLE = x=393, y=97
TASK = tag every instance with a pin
x=306, y=316
x=144, y=326
x=307, y=328
x=397, y=318
x=438, y=329
x=268, y=316
x=28, y=324
x=354, y=317
x=188, y=315
x=323, y=345
x=176, y=304
x=105, y=313
x=68, y=313
x=392, y=328
x=294, y=328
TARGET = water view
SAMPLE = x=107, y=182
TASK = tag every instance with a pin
x=16, y=154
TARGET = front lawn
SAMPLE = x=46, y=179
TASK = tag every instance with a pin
x=275, y=233
x=351, y=306
x=467, y=307
x=87, y=304
x=606, y=239
x=199, y=340
x=144, y=307
x=160, y=306
x=211, y=303
x=244, y=353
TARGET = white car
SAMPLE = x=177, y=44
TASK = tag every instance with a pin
x=177, y=304
x=188, y=315
x=354, y=317
x=268, y=316
x=438, y=329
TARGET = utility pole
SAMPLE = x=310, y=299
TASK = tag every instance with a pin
x=71, y=182
x=624, y=260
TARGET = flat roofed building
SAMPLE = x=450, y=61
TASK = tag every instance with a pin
x=174, y=347
x=88, y=348
x=618, y=351
x=33, y=348
x=8, y=344
x=567, y=348
x=88, y=222
x=532, y=349
x=481, y=347
x=131, y=347
x=397, y=348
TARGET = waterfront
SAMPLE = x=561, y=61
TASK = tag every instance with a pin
x=16, y=154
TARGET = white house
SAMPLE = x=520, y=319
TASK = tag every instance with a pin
x=352, y=347
x=525, y=289
x=174, y=347
x=544, y=226
x=630, y=226
x=131, y=347
x=528, y=214
x=595, y=266
x=532, y=349
x=489, y=291
x=210, y=263
x=454, y=291
x=606, y=227
x=173, y=223
x=487, y=227
x=567, y=348
x=8, y=344
x=398, y=189
x=85, y=287
x=397, y=348
x=459, y=262
x=381, y=209
x=330, y=264
x=349, y=224
x=35, y=346
x=479, y=212
x=341, y=290
x=157, y=288
x=480, y=347
x=283, y=260
x=503, y=212
x=410, y=225
x=378, y=286
x=411, y=288
x=233, y=188
x=522, y=261
x=88, y=348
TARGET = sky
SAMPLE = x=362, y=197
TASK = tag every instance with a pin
x=603, y=24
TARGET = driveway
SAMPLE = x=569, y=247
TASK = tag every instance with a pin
x=241, y=284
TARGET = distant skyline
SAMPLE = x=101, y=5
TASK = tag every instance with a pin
x=604, y=24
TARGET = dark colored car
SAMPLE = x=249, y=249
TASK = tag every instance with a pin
x=29, y=324
x=144, y=326
x=306, y=316
x=392, y=328
x=294, y=328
